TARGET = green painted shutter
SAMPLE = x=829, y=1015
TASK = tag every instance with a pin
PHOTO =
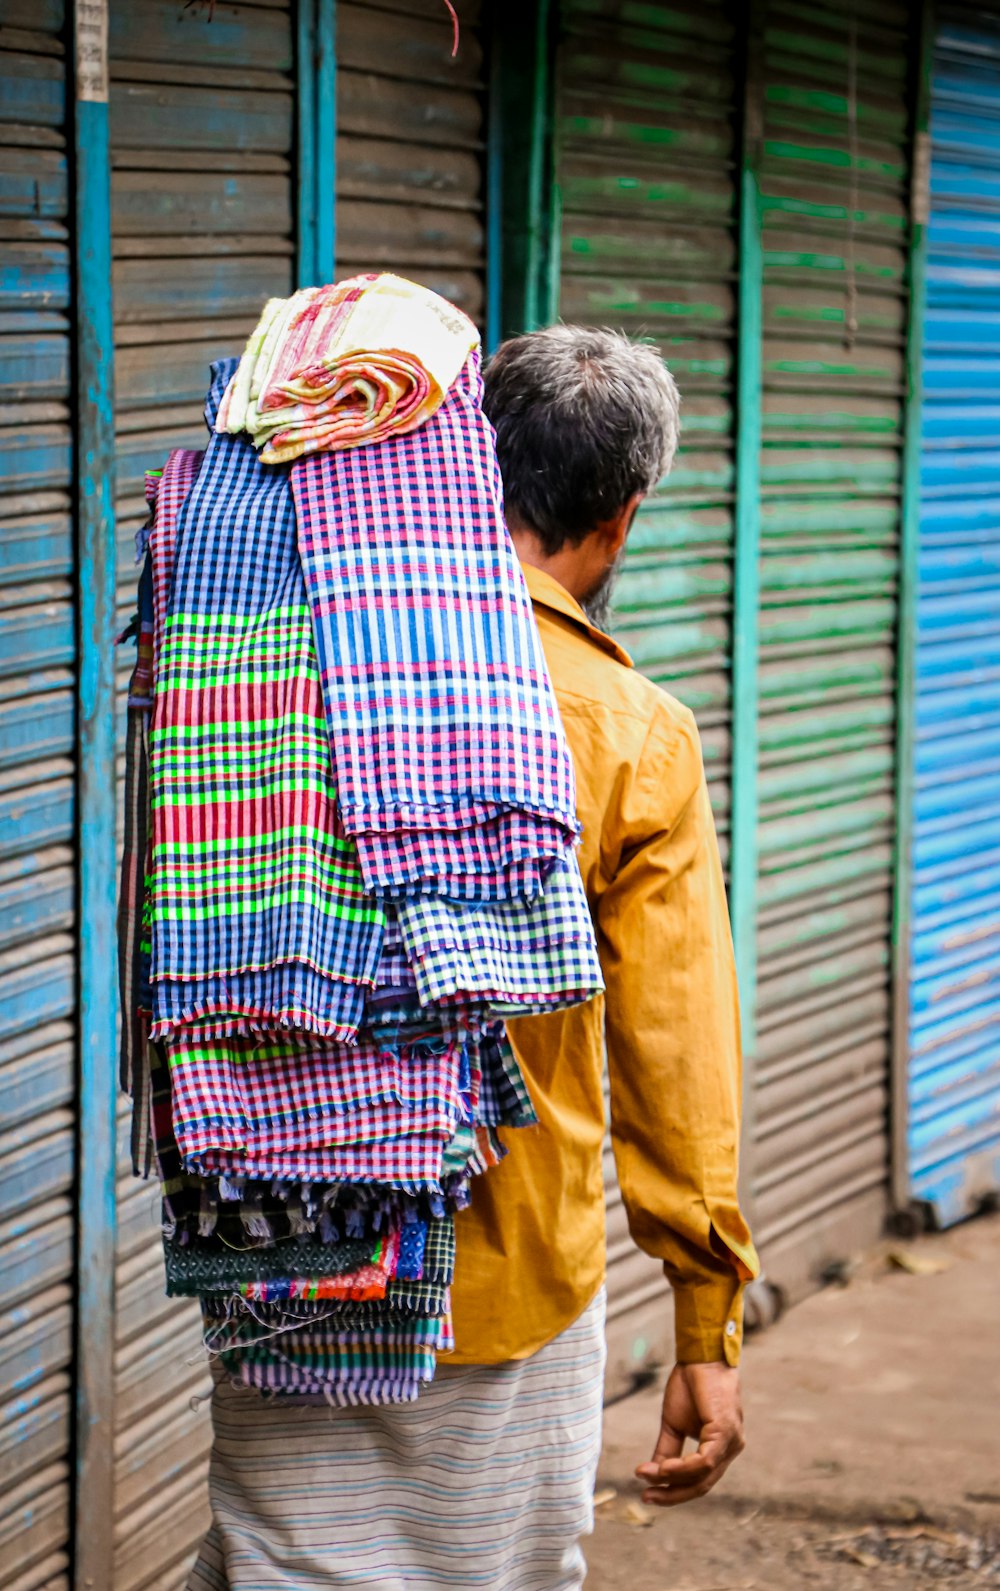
x=646, y=173
x=37, y=886
x=202, y=195
x=834, y=194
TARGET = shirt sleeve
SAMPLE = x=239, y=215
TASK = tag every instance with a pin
x=674, y=1062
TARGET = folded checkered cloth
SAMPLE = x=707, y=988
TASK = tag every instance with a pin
x=166, y=492
x=387, y=1364
x=291, y=1103
x=207, y=1217
x=349, y=1351
x=517, y=956
x=520, y=956
x=345, y=365
x=269, y=1126
x=389, y=1108
x=133, y=969
x=453, y=772
x=134, y=929
x=259, y=912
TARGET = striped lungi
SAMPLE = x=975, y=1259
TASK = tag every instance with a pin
x=486, y=1481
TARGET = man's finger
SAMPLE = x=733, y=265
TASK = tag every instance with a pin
x=683, y=1471
x=675, y=1487
x=653, y=1466
x=671, y=1497
x=670, y=1444
x=714, y=1451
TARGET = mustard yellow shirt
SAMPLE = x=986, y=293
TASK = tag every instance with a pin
x=531, y=1251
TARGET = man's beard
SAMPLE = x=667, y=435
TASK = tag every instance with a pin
x=597, y=606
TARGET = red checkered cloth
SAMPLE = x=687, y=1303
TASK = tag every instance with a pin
x=171, y=488
x=293, y=1104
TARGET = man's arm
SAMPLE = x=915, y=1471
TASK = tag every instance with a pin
x=675, y=1073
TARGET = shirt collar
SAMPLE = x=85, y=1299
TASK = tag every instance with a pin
x=546, y=591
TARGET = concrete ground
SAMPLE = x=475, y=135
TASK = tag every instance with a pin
x=873, y=1456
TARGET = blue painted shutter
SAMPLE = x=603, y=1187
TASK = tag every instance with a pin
x=834, y=195
x=954, y=1081
x=646, y=171
x=202, y=195
x=37, y=920
x=410, y=131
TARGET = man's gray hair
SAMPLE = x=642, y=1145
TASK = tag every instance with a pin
x=584, y=419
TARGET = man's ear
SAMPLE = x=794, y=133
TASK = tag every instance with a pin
x=616, y=530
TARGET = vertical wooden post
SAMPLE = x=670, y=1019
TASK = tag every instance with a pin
x=526, y=215
x=316, y=122
x=746, y=568
x=525, y=94
x=906, y=627
x=305, y=131
x=95, y=803
x=326, y=139
x=494, y=317
x=542, y=299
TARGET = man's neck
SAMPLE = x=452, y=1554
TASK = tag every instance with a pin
x=561, y=566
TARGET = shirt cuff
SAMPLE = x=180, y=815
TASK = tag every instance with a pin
x=708, y=1320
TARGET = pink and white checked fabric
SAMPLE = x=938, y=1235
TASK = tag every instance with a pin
x=178, y=477
x=453, y=771
x=283, y=1100
x=411, y=1163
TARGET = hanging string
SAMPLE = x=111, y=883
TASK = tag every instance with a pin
x=851, y=307
x=228, y=1333
x=454, y=25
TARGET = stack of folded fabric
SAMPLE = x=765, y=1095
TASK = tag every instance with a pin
x=349, y=846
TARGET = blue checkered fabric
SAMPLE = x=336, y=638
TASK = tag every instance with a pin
x=504, y=1100
x=259, y=913
x=518, y=956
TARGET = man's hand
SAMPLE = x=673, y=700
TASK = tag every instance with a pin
x=702, y=1402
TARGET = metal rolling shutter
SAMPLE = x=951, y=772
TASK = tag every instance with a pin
x=201, y=131
x=37, y=907
x=954, y=1071
x=410, y=136
x=646, y=175
x=834, y=186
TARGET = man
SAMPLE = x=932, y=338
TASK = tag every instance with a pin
x=487, y=1480
x=586, y=424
